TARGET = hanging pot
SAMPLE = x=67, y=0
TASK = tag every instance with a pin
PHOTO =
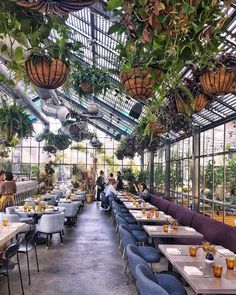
x=45, y=73
x=92, y=108
x=156, y=129
x=201, y=102
x=218, y=81
x=138, y=82
x=60, y=7
x=87, y=88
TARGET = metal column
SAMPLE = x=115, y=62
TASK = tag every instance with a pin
x=167, y=174
x=151, y=172
x=196, y=170
x=142, y=161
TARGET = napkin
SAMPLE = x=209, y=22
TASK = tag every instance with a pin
x=151, y=228
x=192, y=271
x=189, y=229
x=225, y=252
x=173, y=251
x=139, y=216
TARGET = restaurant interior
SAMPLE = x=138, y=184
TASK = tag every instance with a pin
x=117, y=147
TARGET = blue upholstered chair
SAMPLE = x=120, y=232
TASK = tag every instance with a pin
x=145, y=284
x=167, y=281
x=139, y=235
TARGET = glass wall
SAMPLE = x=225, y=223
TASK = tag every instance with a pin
x=217, y=172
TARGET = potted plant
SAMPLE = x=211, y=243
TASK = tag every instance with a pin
x=59, y=141
x=88, y=79
x=190, y=97
x=14, y=123
x=57, y=6
x=218, y=77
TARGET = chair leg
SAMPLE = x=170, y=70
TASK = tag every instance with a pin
x=63, y=232
x=8, y=283
x=61, y=238
x=27, y=258
x=123, y=255
x=120, y=244
x=18, y=262
x=36, y=256
x=47, y=242
x=127, y=263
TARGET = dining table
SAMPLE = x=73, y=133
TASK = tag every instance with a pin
x=10, y=231
x=148, y=217
x=132, y=206
x=197, y=272
x=157, y=231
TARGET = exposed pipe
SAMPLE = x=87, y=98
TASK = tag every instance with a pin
x=51, y=105
x=17, y=92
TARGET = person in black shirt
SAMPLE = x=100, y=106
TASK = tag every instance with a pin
x=120, y=184
x=100, y=184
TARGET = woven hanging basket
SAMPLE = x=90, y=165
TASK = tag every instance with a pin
x=60, y=7
x=219, y=81
x=156, y=129
x=200, y=103
x=87, y=88
x=45, y=73
x=138, y=84
x=74, y=130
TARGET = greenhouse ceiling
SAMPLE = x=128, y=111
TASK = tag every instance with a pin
x=90, y=27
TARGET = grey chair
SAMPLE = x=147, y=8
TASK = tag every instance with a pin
x=167, y=281
x=71, y=211
x=23, y=217
x=7, y=265
x=51, y=224
x=145, y=283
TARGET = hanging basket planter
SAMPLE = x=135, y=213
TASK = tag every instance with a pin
x=156, y=128
x=45, y=73
x=201, y=102
x=87, y=88
x=138, y=82
x=60, y=7
x=218, y=81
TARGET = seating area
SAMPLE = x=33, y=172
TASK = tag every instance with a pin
x=117, y=147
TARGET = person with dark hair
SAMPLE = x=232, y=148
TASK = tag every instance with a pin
x=8, y=190
x=100, y=182
x=144, y=193
x=120, y=184
x=111, y=177
x=2, y=176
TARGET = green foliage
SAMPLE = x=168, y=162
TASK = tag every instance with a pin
x=129, y=175
x=34, y=174
x=98, y=79
x=142, y=176
x=14, y=123
x=59, y=141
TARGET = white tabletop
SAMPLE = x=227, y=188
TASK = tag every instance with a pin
x=8, y=232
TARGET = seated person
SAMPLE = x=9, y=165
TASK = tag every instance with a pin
x=144, y=193
x=111, y=192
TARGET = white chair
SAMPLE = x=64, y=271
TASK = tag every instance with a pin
x=51, y=224
x=71, y=211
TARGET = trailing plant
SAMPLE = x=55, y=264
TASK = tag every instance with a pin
x=14, y=123
x=89, y=79
x=129, y=176
x=59, y=141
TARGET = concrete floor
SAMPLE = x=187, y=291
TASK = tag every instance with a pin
x=89, y=263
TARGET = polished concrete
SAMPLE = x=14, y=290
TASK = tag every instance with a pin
x=89, y=263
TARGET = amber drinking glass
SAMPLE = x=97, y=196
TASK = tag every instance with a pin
x=205, y=246
x=4, y=221
x=143, y=211
x=192, y=251
x=217, y=270
x=175, y=225
x=165, y=228
x=230, y=262
x=148, y=215
x=157, y=214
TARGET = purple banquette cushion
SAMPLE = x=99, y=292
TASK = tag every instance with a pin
x=215, y=232
x=183, y=215
x=160, y=203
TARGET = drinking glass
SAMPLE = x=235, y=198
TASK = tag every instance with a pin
x=217, y=270
x=143, y=211
x=230, y=262
x=192, y=251
x=148, y=215
x=165, y=228
x=157, y=214
x=4, y=221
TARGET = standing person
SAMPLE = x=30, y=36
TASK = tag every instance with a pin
x=120, y=184
x=100, y=182
x=2, y=177
x=111, y=177
x=8, y=190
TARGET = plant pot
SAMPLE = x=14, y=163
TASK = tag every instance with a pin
x=87, y=88
x=138, y=83
x=156, y=129
x=219, y=81
x=89, y=198
x=45, y=73
x=200, y=103
x=57, y=7
x=92, y=109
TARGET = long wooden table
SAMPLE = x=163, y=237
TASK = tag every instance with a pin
x=131, y=206
x=10, y=231
x=142, y=218
x=206, y=283
x=156, y=231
